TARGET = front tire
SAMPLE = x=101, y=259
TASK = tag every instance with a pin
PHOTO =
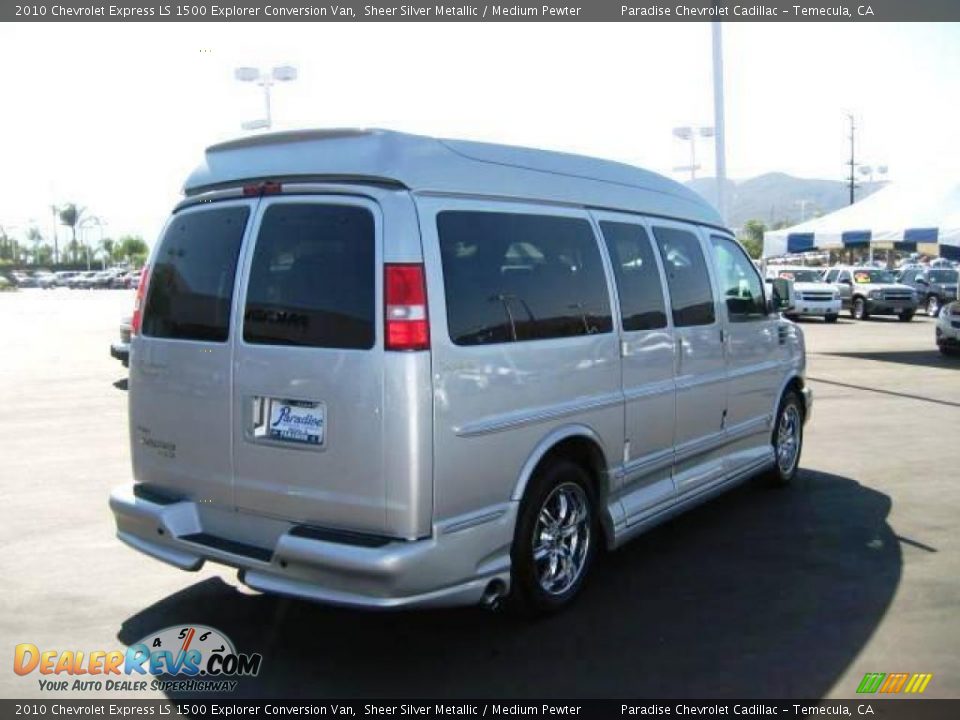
x=933, y=306
x=830, y=318
x=906, y=316
x=859, y=309
x=555, y=541
x=787, y=439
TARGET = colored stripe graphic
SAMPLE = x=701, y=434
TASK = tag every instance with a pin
x=871, y=682
x=894, y=683
x=918, y=683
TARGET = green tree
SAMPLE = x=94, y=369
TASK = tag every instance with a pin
x=132, y=248
x=6, y=246
x=106, y=250
x=43, y=255
x=751, y=236
x=35, y=238
x=71, y=215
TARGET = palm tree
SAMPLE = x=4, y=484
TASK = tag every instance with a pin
x=107, y=249
x=71, y=215
x=35, y=237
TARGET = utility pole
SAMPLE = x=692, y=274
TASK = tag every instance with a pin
x=852, y=163
x=56, y=250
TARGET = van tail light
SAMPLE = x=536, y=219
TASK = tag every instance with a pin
x=137, y=318
x=405, y=307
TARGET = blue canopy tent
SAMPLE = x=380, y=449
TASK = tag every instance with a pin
x=924, y=219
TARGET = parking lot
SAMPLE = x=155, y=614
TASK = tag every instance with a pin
x=765, y=593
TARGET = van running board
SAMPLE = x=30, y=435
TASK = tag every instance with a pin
x=231, y=546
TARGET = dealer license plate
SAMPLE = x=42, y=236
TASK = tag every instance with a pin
x=297, y=421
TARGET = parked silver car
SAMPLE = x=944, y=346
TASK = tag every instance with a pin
x=866, y=291
x=406, y=371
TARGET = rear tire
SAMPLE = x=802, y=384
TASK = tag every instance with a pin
x=859, y=309
x=787, y=439
x=830, y=318
x=906, y=316
x=555, y=541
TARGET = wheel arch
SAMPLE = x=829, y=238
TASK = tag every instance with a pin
x=578, y=443
x=582, y=445
x=794, y=382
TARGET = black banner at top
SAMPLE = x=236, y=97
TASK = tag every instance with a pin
x=420, y=10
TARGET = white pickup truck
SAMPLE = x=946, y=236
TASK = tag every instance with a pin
x=813, y=297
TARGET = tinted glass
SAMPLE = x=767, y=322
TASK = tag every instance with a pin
x=511, y=277
x=799, y=275
x=191, y=284
x=312, y=282
x=638, y=278
x=942, y=276
x=739, y=282
x=687, y=277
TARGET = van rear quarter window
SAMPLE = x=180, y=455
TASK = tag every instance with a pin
x=191, y=284
x=512, y=277
x=313, y=278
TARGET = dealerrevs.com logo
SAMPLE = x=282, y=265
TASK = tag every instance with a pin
x=184, y=658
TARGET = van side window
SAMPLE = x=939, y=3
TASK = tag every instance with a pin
x=739, y=281
x=191, y=284
x=511, y=277
x=830, y=277
x=638, y=278
x=313, y=278
x=691, y=296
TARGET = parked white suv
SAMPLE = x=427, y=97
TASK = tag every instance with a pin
x=382, y=370
x=813, y=297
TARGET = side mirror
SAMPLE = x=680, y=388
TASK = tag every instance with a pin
x=783, y=298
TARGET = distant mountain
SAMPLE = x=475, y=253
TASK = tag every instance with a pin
x=776, y=197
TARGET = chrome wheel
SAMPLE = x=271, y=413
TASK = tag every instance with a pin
x=561, y=538
x=788, y=438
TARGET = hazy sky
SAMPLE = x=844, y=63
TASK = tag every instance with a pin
x=113, y=116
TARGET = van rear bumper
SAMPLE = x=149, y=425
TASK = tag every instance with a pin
x=465, y=562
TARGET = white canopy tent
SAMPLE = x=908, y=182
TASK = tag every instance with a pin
x=910, y=218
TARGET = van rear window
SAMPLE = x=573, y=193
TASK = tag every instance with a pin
x=511, y=277
x=313, y=278
x=191, y=284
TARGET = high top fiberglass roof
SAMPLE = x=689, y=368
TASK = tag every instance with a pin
x=430, y=165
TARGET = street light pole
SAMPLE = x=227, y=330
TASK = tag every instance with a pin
x=266, y=80
x=718, y=121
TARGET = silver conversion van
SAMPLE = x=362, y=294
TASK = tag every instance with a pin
x=382, y=370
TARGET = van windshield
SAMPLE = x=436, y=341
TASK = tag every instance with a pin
x=805, y=276
x=863, y=277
